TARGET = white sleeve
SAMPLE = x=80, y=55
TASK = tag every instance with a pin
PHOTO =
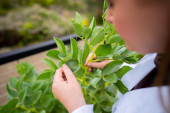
x=144, y=100
x=88, y=108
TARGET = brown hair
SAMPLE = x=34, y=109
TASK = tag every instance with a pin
x=163, y=76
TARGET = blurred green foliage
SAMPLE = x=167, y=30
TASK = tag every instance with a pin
x=28, y=24
x=24, y=22
x=6, y=5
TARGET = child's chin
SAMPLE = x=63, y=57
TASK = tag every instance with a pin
x=129, y=47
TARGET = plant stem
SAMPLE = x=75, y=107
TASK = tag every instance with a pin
x=82, y=66
x=27, y=109
x=91, y=58
x=84, y=77
x=87, y=43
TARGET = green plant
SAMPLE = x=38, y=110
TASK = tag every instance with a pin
x=31, y=92
x=32, y=24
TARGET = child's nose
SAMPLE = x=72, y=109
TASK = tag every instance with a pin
x=109, y=17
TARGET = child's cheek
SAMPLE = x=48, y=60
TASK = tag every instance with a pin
x=126, y=28
x=121, y=26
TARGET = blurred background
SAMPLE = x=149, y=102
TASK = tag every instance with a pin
x=27, y=22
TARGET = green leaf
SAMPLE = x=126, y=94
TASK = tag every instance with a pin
x=13, y=81
x=104, y=50
x=78, y=18
x=97, y=108
x=121, y=87
x=36, y=96
x=88, y=76
x=60, y=64
x=92, y=24
x=27, y=101
x=96, y=72
x=110, y=98
x=9, y=96
x=91, y=90
x=9, y=107
x=53, y=54
x=46, y=88
x=104, y=9
x=11, y=92
x=64, y=58
x=111, y=89
x=117, y=56
x=50, y=63
x=60, y=45
x=122, y=43
x=86, y=52
x=44, y=76
x=86, y=32
x=97, y=82
x=111, y=67
x=130, y=60
x=109, y=28
x=74, y=48
x=100, y=58
x=80, y=72
x=118, y=49
x=111, y=78
x=128, y=53
x=117, y=52
x=18, y=83
x=94, y=81
x=122, y=71
x=107, y=108
x=77, y=27
x=79, y=56
x=48, y=70
x=43, y=111
x=114, y=39
x=73, y=65
x=37, y=85
x=62, y=55
x=97, y=35
x=25, y=68
x=22, y=93
x=48, y=102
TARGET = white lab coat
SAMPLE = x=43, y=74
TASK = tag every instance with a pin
x=144, y=100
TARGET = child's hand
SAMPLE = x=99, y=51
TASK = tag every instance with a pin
x=67, y=89
x=95, y=64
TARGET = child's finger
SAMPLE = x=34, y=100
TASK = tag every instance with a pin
x=68, y=73
x=98, y=64
x=90, y=69
x=58, y=75
x=88, y=58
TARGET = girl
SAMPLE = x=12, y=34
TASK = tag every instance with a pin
x=144, y=25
